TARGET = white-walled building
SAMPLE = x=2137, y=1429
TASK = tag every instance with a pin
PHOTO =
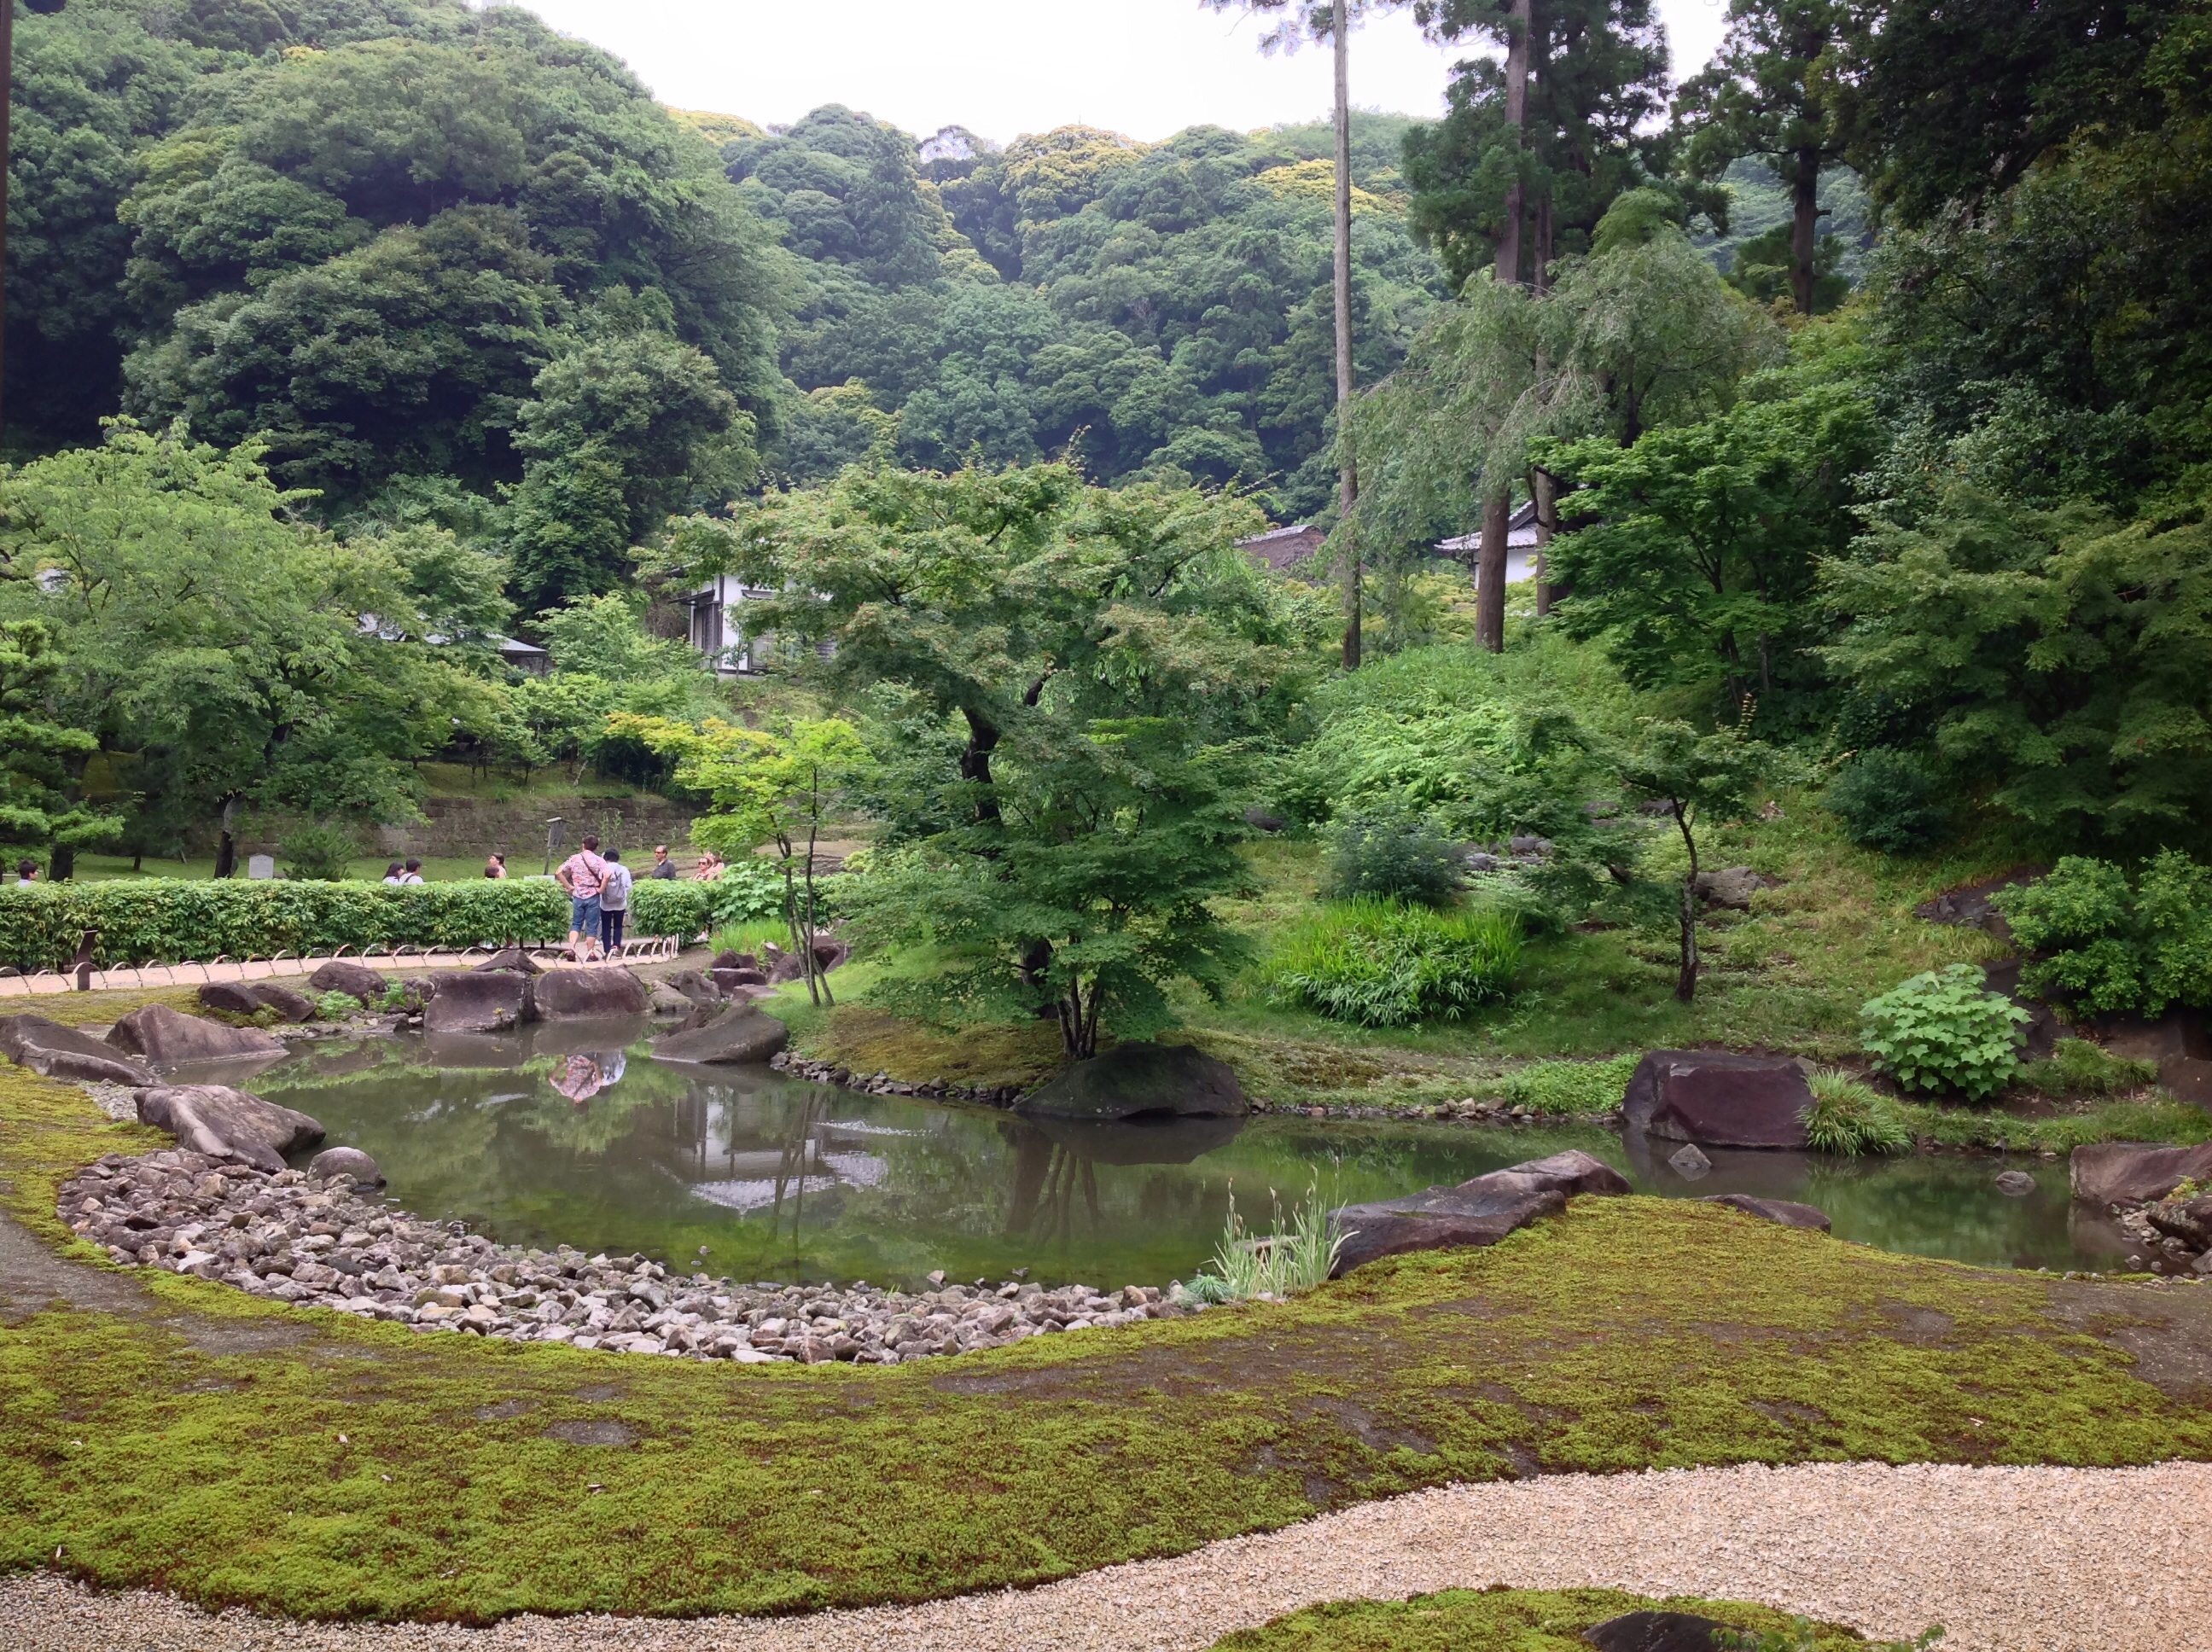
x=1520, y=546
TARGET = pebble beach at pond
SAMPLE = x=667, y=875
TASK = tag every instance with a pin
x=318, y=1243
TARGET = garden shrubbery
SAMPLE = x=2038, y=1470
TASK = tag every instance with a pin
x=1850, y=1118
x=1946, y=1030
x=2117, y=943
x=1393, y=853
x=1891, y=801
x=1380, y=965
x=177, y=920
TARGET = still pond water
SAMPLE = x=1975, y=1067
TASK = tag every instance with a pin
x=574, y=1135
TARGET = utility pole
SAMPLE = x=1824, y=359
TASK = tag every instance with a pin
x=45, y=8
x=1347, y=487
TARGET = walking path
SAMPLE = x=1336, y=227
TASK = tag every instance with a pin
x=2007, y=1559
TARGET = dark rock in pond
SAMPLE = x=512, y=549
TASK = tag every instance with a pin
x=2135, y=1172
x=225, y=1123
x=1732, y=887
x=1690, y=1162
x=296, y=1007
x=510, y=957
x=603, y=992
x=165, y=1037
x=344, y=975
x=2189, y=1220
x=739, y=1033
x=467, y=1002
x=1137, y=1080
x=695, y=986
x=1656, y=1631
x=1788, y=1211
x=59, y=1052
x=725, y=959
x=1478, y=1212
x=661, y=999
x=349, y=1162
x=1260, y=820
x=726, y=981
x=1719, y=1099
x=231, y=997
x=2015, y=1184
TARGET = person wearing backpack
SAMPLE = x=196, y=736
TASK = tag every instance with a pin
x=613, y=902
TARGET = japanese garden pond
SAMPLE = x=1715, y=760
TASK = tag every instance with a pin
x=573, y=1134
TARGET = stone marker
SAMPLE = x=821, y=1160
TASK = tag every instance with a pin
x=226, y=1123
x=1788, y=1211
x=1690, y=1162
x=260, y=867
x=1719, y=1099
x=59, y=1052
x=167, y=1037
x=1140, y=1080
x=2135, y=1172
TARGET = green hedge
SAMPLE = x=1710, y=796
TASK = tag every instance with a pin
x=172, y=921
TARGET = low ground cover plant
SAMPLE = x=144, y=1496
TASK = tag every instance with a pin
x=1378, y=963
x=1945, y=1031
x=2113, y=941
x=2078, y=1068
x=1581, y=1088
x=1526, y=1620
x=1851, y=1117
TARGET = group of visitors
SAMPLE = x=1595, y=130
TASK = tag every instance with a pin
x=598, y=898
x=398, y=873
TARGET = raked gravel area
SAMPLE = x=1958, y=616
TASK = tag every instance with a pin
x=2007, y=1559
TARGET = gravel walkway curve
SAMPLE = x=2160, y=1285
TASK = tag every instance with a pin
x=2008, y=1559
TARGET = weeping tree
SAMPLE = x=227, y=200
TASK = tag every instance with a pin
x=1644, y=331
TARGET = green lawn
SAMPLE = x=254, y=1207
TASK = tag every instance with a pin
x=236, y=1451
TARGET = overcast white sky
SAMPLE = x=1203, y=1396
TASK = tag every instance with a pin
x=1001, y=68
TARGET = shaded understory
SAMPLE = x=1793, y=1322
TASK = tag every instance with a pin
x=164, y=1431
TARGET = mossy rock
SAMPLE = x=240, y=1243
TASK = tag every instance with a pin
x=1139, y=1081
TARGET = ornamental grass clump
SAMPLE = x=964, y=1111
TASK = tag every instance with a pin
x=1945, y=1032
x=1850, y=1118
x=1294, y=1257
x=1380, y=964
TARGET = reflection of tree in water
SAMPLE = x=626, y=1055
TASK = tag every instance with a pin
x=1047, y=1179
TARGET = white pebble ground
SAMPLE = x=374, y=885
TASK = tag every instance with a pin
x=2007, y=1559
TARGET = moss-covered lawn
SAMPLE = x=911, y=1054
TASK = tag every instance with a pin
x=1509, y=1620
x=236, y=1451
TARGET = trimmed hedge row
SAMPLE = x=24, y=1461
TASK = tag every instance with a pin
x=175, y=921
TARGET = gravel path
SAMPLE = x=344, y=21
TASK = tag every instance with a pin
x=2008, y=1559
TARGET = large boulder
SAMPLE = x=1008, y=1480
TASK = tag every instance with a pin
x=344, y=975
x=1719, y=1099
x=249, y=997
x=602, y=993
x=166, y=1038
x=1133, y=1081
x=739, y=1033
x=2189, y=1220
x=511, y=957
x=225, y=1123
x=466, y=1002
x=695, y=986
x=1788, y=1211
x=2135, y=1172
x=727, y=981
x=348, y=1163
x=664, y=1000
x=1732, y=887
x=1478, y=1212
x=60, y=1052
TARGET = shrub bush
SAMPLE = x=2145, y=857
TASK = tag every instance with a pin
x=2078, y=1068
x=1891, y=801
x=749, y=890
x=2114, y=942
x=1851, y=1118
x=176, y=920
x=338, y=1007
x=318, y=853
x=1945, y=1031
x=1395, y=855
x=1381, y=964
x=1585, y=1087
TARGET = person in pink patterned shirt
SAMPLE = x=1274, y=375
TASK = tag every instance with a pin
x=583, y=875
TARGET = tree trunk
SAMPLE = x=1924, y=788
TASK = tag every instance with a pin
x=1539, y=278
x=226, y=847
x=1489, y=575
x=61, y=866
x=1542, y=491
x=1347, y=484
x=1516, y=118
x=1686, y=984
x=1805, y=220
x=975, y=763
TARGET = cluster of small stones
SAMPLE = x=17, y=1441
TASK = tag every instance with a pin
x=2160, y=1252
x=1469, y=1111
x=882, y=1084
x=322, y=1245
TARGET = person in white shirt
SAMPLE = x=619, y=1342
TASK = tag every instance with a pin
x=392, y=873
x=412, y=875
x=614, y=902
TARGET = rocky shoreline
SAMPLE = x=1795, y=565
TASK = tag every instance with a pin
x=295, y=1238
